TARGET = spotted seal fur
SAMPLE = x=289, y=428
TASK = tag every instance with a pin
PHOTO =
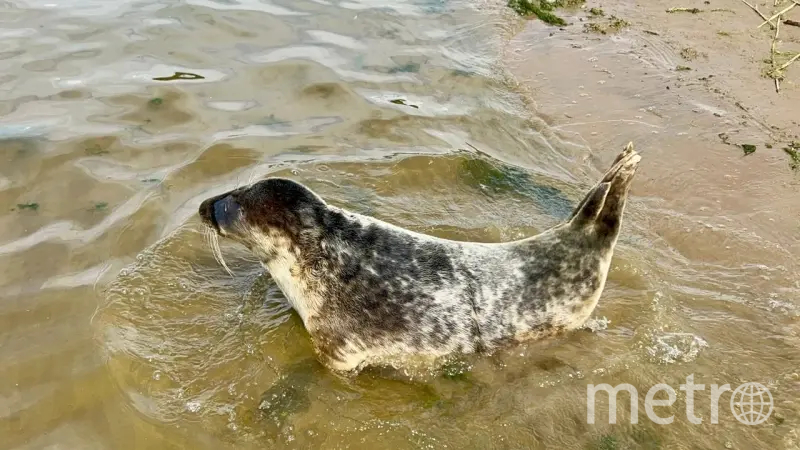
x=368, y=291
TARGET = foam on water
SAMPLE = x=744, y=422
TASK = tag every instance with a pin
x=670, y=348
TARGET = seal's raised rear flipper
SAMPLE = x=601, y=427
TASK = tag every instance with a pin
x=601, y=209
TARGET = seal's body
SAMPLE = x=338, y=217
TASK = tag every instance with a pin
x=368, y=291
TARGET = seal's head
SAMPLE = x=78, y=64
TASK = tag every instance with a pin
x=265, y=217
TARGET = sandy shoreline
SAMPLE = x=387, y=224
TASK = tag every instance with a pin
x=719, y=52
x=600, y=91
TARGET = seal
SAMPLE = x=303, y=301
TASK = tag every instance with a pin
x=369, y=292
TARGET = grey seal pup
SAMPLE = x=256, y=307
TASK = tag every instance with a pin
x=369, y=292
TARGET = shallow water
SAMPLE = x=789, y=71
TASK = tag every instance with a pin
x=118, y=329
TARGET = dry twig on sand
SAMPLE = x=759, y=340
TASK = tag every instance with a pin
x=789, y=63
x=689, y=10
x=772, y=54
x=774, y=71
x=778, y=15
x=755, y=8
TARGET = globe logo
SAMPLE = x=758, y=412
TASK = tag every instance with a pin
x=751, y=403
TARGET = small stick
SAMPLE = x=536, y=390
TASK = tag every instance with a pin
x=775, y=39
x=769, y=21
x=789, y=63
x=754, y=8
x=689, y=10
x=772, y=54
x=791, y=22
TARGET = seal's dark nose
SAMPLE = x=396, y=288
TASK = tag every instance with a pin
x=220, y=212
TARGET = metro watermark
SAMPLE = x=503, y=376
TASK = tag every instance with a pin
x=750, y=403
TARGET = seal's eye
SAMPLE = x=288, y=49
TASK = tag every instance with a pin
x=226, y=213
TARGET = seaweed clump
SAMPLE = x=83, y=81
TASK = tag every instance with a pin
x=543, y=9
x=748, y=149
x=33, y=206
x=613, y=25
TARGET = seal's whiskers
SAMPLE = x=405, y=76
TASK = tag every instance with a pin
x=213, y=242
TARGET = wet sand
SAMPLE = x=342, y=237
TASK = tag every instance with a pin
x=600, y=91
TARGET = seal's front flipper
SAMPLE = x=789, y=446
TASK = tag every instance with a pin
x=290, y=393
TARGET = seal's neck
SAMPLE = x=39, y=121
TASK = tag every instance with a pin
x=291, y=264
x=296, y=283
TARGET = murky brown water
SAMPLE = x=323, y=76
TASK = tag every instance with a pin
x=119, y=330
